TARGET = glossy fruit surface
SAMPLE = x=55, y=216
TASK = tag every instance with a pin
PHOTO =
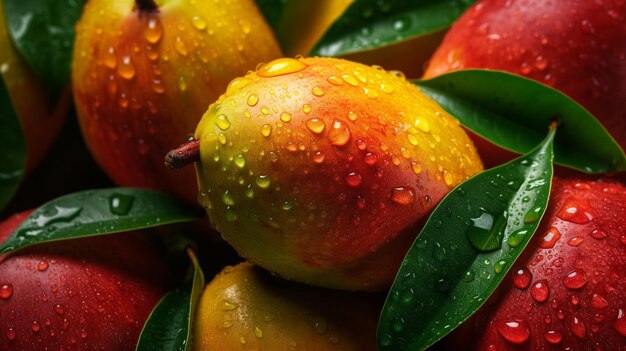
x=41, y=115
x=142, y=79
x=84, y=294
x=245, y=308
x=314, y=168
x=568, y=289
x=575, y=46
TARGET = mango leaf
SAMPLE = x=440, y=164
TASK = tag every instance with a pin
x=43, y=32
x=272, y=10
x=169, y=327
x=465, y=249
x=98, y=212
x=369, y=24
x=12, y=147
x=512, y=111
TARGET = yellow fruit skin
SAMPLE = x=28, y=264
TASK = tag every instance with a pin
x=142, y=79
x=41, y=117
x=322, y=172
x=244, y=308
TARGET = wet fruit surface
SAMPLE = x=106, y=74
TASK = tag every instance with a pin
x=323, y=198
x=84, y=294
x=564, y=295
x=143, y=79
x=245, y=308
x=575, y=46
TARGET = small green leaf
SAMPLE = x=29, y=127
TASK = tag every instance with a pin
x=98, y=212
x=43, y=32
x=169, y=326
x=512, y=112
x=465, y=250
x=12, y=147
x=369, y=24
x=273, y=11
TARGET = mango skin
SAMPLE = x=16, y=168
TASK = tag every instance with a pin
x=322, y=173
x=244, y=308
x=41, y=116
x=142, y=80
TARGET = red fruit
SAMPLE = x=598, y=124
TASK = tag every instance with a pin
x=84, y=294
x=576, y=46
x=577, y=297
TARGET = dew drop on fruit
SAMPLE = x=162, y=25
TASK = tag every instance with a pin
x=598, y=234
x=422, y=125
x=350, y=80
x=352, y=116
x=154, y=30
x=240, y=161
x=222, y=122
x=315, y=125
x=35, y=326
x=360, y=202
x=319, y=157
x=516, y=332
x=281, y=66
x=320, y=326
x=553, y=337
x=578, y=328
x=317, y=91
x=550, y=237
x=120, y=204
x=575, y=241
x=58, y=309
x=339, y=133
x=6, y=291
x=180, y=46
x=575, y=279
x=353, y=179
x=198, y=22
x=11, y=334
x=522, y=278
x=253, y=99
x=361, y=144
x=125, y=68
x=620, y=323
x=403, y=195
x=540, y=291
x=285, y=117
x=370, y=159
x=110, y=59
x=227, y=198
x=306, y=108
x=334, y=80
x=263, y=181
x=599, y=302
x=42, y=266
x=447, y=178
x=416, y=168
x=576, y=211
x=266, y=130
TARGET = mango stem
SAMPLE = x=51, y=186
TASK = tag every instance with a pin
x=185, y=154
x=146, y=5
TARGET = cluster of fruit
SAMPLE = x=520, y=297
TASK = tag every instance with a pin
x=319, y=172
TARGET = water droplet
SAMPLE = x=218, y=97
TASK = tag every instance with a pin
x=499, y=266
x=576, y=211
x=334, y=80
x=222, y=122
x=59, y=309
x=125, y=68
x=6, y=290
x=578, y=328
x=154, y=30
x=620, y=323
x=110, y=59
x=516, y=237
x=403, y=195
x=553, y=337
x=416, y=168
x=253, y=99
x=180, y=46
x=370, y=159
x=263, y=181
x=598, y=234
x=317, y=91
x=35, y=326
x=350, y=80
x=339, y=134
x=422, y=125
x=281, y=66
x=352, y=116
x=11, y=334
x=42, y=266
x=182, y=84
x=229, y=306
x=575, y=279
x=353, y=179
x=599, y=302
x=468, y=276
x=306, y=108
x=228, y=199
x=320, y=326
x=484, y=233
x=575, y=241
x=447, y=178
x=532, y=215
x=266, y=130
x=550, y=237
x=516, y=332
x=198, y=22
x=318, y=157
x=540, y=291
x=522, y=278
x=258, y=332
x=240, y=161
x=285, y=117
x=315, y=125
x=120, y=204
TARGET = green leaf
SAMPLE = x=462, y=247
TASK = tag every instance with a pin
x=369, y=24
x=43, y=32
x=465, y=250
x=513, y=111
x=12, y=147
x=169, y=326
x=273, y=11
x=98, y=212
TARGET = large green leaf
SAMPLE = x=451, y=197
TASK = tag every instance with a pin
x=43, y=32
x=369, y=24
x=98, y=212
x=169, y=326
x=512, y=111
x=12, y=147
x=273, y=11
x=465, y=249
